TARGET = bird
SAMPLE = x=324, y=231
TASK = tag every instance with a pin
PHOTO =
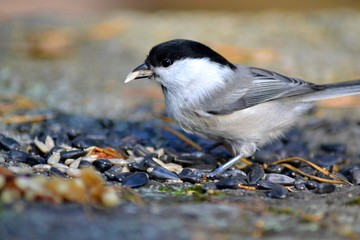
x=242, y=106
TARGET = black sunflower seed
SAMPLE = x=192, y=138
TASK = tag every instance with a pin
x=72, y=154
x=227, y=183
x=254, y=173
x=34, y=160
x=187, y=175
x=8, y=143
x=135, y=180
x=18, y=156
x=279, y=179
x=277, y=191
x=84, y=164
x=161, y=173
x=102, y=165
x=325, y=188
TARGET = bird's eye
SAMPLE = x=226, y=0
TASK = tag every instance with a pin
x=166, y=62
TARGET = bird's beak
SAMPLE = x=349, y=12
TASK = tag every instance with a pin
x=142, y=71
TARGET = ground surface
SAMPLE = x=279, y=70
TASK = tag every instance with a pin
x=80, y=65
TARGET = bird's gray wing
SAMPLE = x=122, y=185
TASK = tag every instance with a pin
x=264, y=86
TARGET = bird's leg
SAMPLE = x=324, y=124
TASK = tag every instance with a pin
x=225, y=166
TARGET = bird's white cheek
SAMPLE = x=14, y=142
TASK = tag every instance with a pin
x=192, y=78
x=173, y=77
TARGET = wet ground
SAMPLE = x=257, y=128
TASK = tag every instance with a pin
x=78, y=65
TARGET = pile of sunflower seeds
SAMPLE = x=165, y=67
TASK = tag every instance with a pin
x=133, y=153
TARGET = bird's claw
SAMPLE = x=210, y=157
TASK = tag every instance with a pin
x=216, y=172
x=224, y=167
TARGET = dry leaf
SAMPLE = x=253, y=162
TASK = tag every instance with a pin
x=108, y=29
x=56, y=43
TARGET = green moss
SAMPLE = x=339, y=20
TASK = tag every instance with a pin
x=195, y=191
x=172, y=191
x=355, y=201
x=280, y=211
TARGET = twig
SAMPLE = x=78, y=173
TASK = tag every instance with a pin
x=327, y=173
x=26, y=118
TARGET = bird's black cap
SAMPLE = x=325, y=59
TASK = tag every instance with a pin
x=168, y=52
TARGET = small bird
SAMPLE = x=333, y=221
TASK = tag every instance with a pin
x=242, y=106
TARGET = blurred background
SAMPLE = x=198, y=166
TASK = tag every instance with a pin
x=75, y=55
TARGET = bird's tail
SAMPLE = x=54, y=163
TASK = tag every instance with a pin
x=334, y=90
